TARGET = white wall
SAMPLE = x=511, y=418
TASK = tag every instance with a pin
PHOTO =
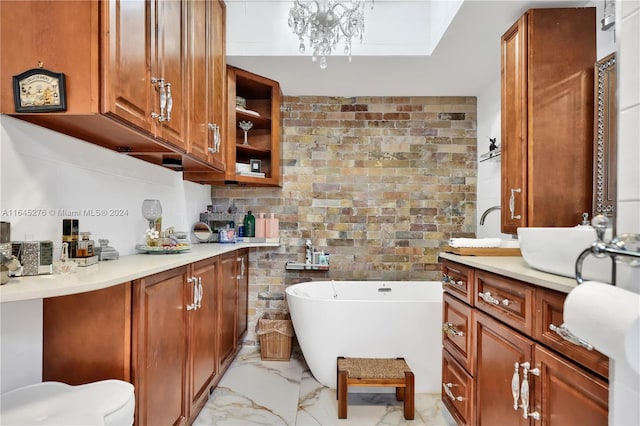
x=625, y=383
x=45, y=172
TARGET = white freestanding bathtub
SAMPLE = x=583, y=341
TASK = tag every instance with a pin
x=369, y=319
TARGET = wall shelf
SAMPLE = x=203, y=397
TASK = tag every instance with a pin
x=297, y=266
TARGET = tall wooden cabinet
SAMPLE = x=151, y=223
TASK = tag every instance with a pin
x=502, y=359
x=547, y=118
x=171, y=334
x=135, y=73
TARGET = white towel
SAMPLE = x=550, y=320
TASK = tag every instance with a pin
x=474, y=242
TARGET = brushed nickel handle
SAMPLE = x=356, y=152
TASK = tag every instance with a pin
x=447, y=390
x=567, y=335
x=159, y=82
x=193, y=306
x=512, y=203
x=515, y=386
x=169, y=102
x=448, y=279
x=451, y=330
x=487, y=297
x=215, y=129
x=524, y=391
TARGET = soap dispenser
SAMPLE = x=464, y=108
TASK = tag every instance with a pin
x=260, y=226
x=272, y=227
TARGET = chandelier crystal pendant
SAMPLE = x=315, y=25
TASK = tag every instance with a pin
x=325, y=23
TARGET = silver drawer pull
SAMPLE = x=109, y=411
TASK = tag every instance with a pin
x=564, y=332
x=448, y=279
x=487, y=297
x=447, y=389
x=451, y=330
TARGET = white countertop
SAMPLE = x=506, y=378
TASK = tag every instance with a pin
x=515, y=267
x=111, y=272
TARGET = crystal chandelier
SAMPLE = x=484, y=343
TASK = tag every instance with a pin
x=325, y=23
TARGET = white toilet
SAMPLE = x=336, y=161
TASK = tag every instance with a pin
x=107, y=402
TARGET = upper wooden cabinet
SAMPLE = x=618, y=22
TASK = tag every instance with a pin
x=547, y=118
x=263, y=97
x=206, y=90
x=140, y=75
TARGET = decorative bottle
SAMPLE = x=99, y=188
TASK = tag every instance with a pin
x=249, y=225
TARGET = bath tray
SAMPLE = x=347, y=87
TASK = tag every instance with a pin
x=483, y=251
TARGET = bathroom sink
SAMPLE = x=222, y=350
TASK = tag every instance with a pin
x=555, y=250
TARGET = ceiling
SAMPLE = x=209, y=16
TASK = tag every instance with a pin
x=393, y=60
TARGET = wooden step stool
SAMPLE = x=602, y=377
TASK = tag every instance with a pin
x=376, y=372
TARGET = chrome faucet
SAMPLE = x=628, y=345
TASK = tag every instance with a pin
x=486, y=212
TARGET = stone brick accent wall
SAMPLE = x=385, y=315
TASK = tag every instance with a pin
x=379, y=183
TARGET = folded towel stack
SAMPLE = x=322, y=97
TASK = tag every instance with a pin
x=474, y=242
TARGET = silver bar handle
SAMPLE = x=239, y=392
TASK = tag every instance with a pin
x=451, y=330
x=199, y=295
x=169, y=102
x=447, y=390
x=567, y=335
x=215, y=129
x=487, y=297
x=524, y=391
x=193, y=306
x=159, y=82
x=515, y=386
x=241, y=260
x=512, y=203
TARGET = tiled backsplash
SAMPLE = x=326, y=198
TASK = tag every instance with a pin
x=380, y=183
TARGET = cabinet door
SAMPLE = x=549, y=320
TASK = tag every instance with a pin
x=205, y=73
x=227, y=311
x=514, y=127
x=160, y=346
x=203, y=367
x=243, y=293
x=128, y=91
x=567, y=394
x=498, y=349
x=170, y=65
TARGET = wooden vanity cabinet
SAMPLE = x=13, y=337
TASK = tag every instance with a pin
x=547, y=118
x=172, y=335
x=507, y=323
x=120, y=59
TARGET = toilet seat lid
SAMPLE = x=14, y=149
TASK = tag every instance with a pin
x=50, y=403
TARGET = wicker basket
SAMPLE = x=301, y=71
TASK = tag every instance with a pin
x=276, y=332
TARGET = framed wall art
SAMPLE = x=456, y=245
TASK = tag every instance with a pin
x=39, y=90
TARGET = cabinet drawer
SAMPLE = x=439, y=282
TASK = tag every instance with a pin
x=506, y=299
x=457, y=280
x=549, y=308
x=457, y=326
x=458, y=390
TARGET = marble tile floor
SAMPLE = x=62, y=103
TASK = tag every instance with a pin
x=256, y=392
